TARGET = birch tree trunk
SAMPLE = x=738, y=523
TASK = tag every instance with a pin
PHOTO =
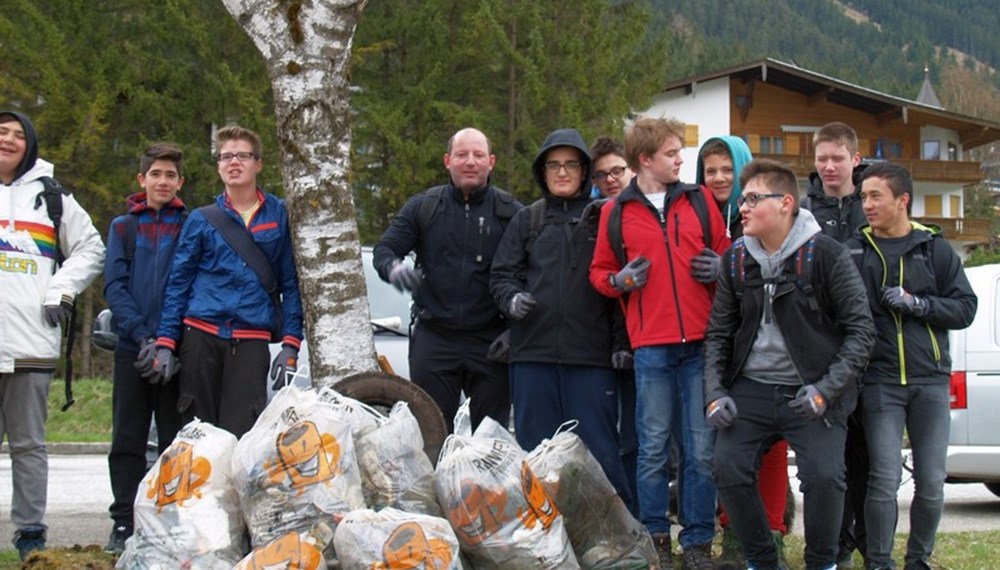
x=307, y=47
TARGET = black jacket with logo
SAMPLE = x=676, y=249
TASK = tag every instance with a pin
x=454, y=253
x=839, y=218
x=928, y=268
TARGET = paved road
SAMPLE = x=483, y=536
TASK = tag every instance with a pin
x=79, y=495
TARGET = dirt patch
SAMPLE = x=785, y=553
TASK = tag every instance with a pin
x=75, y=558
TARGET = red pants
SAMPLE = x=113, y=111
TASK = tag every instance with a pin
x=772, y=484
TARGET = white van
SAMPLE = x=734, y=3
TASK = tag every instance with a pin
x=974, y=445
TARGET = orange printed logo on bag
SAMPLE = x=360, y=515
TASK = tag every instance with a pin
x=288, y=552
x=408, y=548
x=541, y=508
x=305, y=457
x=180, y=476
x=479, y=513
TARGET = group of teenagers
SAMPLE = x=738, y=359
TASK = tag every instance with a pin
x=706, y=327
x=191, y=311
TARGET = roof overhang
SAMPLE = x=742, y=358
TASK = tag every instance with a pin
x=973, y=131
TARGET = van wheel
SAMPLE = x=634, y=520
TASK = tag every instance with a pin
x=380, y=391
x=993, y=488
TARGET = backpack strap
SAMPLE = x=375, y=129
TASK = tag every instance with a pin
x=52, y=193
x=241, y=241
x=429, y=208
x=700, y=205
x=503, y=205
x=131, y=233
x=537, y=220
x=615, y=233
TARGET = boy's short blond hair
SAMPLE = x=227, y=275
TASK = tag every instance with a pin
x=647, y=135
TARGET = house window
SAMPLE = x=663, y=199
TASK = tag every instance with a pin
x=931, y=150
x=952, y=152
x=956, y=206
x=772, y=145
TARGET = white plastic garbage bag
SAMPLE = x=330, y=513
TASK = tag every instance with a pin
x=290, y=551
x=395, y=471
x=604, y=535
x=295, y=470
x=391, y=539
x=501, y=514
x=186, y=510
x=360, y=416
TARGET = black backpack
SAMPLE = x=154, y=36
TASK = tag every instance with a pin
x=697, y=199
x=52, y=194
x=503, y=206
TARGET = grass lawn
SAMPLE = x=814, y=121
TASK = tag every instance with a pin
x=88, y=420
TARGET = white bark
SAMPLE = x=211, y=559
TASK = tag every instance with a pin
x=307, y=47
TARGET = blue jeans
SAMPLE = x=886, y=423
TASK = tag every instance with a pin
x=668, y=380
x=924, y=410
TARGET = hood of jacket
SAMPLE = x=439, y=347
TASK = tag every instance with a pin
x=138, y=202
x=557, y=138
x=741, y=155
x=803, y=228
x=815, y=190
x=31, y=144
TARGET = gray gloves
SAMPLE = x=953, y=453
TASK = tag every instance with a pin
x=56, y=313
x=147, y=352
x=721, y=413
x=705, y=266
x=521, y=305
x=633, y=276
x=403, y=277
x=499, y=350
x=621, y=360
x=903, y=302
x=287, y=361
x=809, y=402
x=165, y=366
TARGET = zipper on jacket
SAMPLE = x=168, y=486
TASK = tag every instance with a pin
x=479, y=250
x=673, y=276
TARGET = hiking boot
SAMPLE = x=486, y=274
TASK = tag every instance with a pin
x=732, y=552
x=664, y=551
x=116, y=542
x=28, y=540
x=845, y=560
x=698, y=557
x=917, y=565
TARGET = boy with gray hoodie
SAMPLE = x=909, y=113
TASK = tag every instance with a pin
x=787, y=339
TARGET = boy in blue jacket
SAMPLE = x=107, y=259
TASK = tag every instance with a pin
x=141, y=247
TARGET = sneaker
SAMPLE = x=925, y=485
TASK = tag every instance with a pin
x=28, y=540
x=116, y=542
x=664, y=551
x=732, y=552
x=698, y=557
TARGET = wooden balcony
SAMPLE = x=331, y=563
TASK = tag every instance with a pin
x=966, y=230
x=921, y=170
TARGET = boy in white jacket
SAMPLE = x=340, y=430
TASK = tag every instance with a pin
x=38, y=296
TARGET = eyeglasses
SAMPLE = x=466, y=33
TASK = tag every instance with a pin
x=569, y=165
x=752, y=199
x=240, y=156
x=616, y=172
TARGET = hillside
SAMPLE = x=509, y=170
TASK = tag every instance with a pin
x=883, y=44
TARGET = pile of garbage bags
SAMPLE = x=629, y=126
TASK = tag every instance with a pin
x=324, y=481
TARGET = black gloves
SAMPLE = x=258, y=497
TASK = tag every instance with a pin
x=705, y=266
x=721, y=413
x=285, y=363
x=499, y=350
x=809, y=402
x=633, y=276
x=521, y=305
x=621, y=360
x=147, y=352
x=165, y=366
x=56, y=313
x=903, y=302
x=404, y=278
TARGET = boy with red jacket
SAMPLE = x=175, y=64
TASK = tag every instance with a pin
x=669, y=275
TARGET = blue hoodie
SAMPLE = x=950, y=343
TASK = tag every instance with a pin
x=740, y=154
